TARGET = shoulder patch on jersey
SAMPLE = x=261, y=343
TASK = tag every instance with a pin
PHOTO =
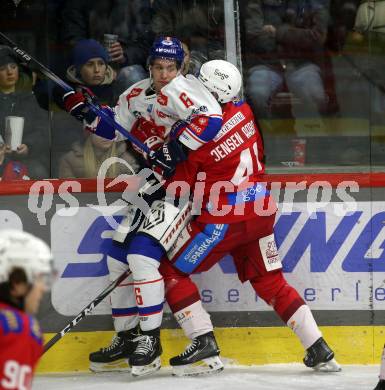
x=10, y=321
x=194, y=139
x=200, y=125
x=162, y=99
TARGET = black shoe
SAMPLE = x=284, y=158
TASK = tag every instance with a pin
x=200, y=357
x=114, y=357
x=320, y=357
x=146, y=357
x=380, y=385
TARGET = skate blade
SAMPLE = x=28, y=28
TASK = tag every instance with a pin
x=118, y=365
x=208, y=366
x=146, y=370
x=330, y=366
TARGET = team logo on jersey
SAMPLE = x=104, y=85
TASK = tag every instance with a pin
x=203, y=121
x=162, y=99
x=200, y=126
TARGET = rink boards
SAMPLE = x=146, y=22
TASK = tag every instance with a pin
x=239, y=346
x=329, y=231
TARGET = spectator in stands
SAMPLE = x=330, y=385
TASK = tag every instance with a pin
x=34, y=149
x=198, y=23
x=89, y=67
x=285, y=44
x=342, y=18
x=130, y=20
x=85, y=158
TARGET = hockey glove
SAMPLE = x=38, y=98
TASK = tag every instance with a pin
x=76, y=104
x=167, y=157
x=177, y=128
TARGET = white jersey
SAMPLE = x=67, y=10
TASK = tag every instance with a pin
x=135, y=103
x=187, y=99
x=184, y=98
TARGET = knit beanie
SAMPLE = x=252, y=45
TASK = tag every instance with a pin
x=7, y=56
x=86, y=49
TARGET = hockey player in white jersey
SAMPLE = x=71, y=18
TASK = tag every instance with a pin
x=150, y=110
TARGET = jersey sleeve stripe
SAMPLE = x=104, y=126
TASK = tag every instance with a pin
x=149, y=310
x=212, y=128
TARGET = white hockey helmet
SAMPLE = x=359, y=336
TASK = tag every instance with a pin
x=221, y=78
x=23, y=250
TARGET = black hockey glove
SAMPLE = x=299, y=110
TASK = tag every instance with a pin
x=168, y=156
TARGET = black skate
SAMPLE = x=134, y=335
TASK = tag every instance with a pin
x=115, y=356
x=321, y=358
x=146, y=357
x=380, y=385
x=200, y=357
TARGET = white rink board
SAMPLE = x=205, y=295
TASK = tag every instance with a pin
x=269, y=377
x=325, y=255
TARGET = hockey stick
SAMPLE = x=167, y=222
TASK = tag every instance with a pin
x=86, y=311
x=36, y=65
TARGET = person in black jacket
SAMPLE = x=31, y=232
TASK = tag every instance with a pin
x=34, y=149
x=90, y=68
x=285, y=43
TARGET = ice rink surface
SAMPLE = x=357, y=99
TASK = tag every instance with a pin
x=269, y=377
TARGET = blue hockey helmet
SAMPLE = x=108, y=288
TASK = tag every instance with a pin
x=169, y=48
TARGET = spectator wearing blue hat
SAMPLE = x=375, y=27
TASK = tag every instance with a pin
x=90, y=68
x=90, y=62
